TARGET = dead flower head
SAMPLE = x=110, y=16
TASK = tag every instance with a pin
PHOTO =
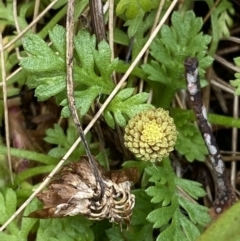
x=74, y=191
x=151, y=135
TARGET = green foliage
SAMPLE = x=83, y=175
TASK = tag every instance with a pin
x=7, y=17
x=120, y=104
x=46, y=68
x=223, y=229
x=173, y=45
x=135, y=7
x=138, y=30
x=236, y=83
x=220, y=21
x=161, y=211
x=64, y=141
x=169, y=217
x=69, y=228
x=189, y=142
x=8, y=204
x=224, y=10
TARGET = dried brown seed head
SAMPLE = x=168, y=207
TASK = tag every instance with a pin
x=151, y=135
x=75, y=191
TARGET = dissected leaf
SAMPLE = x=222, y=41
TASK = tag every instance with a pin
x=224, y=11
x=7, y=15
x=89, y=58
x=83, y=101
x=134, y=7
x=161, y=216
x=164, y=196
x=190, y=142
x=138, y=30
x=124, y=105
x=236, y=83
x=75, y=228
x=173, y=45
x=8, y=205
x=173, y=223
x=47, y=69
x=142, y=208
x=64, y=141
x=196, y=212
x=194, y=189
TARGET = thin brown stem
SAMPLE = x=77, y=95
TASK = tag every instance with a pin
x=97, y=18
x=3, y=69
x=70, y=91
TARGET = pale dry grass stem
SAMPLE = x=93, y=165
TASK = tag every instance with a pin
x=16, y=25
x=156, y=20
x=234, y=142
x=111, y=34
x=30, y=25
x=6, y=122
x=35, y=14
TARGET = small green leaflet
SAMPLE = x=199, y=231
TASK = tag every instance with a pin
x=236, y=83
x=124, y=105
x=134, y=7
x=8, y=205
x=190, y=142
x=64, y=141
x=75, y=228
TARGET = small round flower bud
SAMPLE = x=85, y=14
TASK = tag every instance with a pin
x=151, y=135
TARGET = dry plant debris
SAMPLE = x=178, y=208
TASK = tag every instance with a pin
x=225, y=196
x=74, y=191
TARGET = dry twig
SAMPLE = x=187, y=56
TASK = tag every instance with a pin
x=225, y=195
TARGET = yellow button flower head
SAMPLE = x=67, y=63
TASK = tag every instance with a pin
x=151, y=135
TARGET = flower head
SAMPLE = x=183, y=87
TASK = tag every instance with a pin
x=151, y=135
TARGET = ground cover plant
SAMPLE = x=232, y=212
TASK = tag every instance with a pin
x=151, y=87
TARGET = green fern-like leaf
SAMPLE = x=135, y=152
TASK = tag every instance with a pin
x=236, y=83
x=138, y=28
x=75, y=228
x=173, y=45
x=83, y=101
x=174, y=225
x=64, y=141
x=190, y=142
x=124, y=105
x=7, y=16
x=46, y=68
x=134, y=7
x=8, y=205
x=224, y=10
